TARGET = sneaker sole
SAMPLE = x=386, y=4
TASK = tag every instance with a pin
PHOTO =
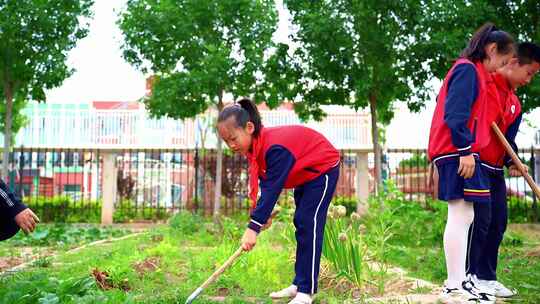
x=455, y=301
x=504, y=297
x=284, y=297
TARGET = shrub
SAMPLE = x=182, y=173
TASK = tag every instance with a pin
x=63, y=209
x=416, y=160
x=342, y=245
x=186, y=222
x=348, y=202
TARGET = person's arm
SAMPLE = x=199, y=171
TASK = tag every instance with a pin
x=279, y=162
x=12, y=205
x=510, y=135
x=462, y=92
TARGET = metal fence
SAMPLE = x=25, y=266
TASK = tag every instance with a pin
x=409, y=170
x=67, y=184
x=150, y=183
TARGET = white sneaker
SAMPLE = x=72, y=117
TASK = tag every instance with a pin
x=301, y=298
x=483, y=290
x=288, y=292
x=499, y=289
x=457, y=295
x=468, y=293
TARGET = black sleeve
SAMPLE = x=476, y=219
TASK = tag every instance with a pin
x=9, y=203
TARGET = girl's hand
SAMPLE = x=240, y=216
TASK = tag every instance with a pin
x=514, y=171
x=466, y=166
x=249, y=239
x=27, y=220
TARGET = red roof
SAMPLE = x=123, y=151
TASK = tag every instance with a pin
x=116, y=105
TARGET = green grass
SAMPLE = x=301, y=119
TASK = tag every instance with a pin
x=62, y=235
x=167, y=263
x=186, y=258
x=416, y=245
x=187, y=252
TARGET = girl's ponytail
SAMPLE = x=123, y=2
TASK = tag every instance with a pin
x=486, y=34
x=243, y=111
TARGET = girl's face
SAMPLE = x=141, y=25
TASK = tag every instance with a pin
x=237, y=138
x=495, y=60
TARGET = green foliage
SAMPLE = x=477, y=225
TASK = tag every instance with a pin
x=380, y=222
x=186, y=222
x=64, y=235
x=415, y=161
x=43, y=289
x=19, y=120
x=230, y=230
x=440, y=44
x=522, y=210
x=127, y=211
x=408, y=218
x=352, y=52
x=63, y=209
x=36, y=37
x=344, y=247
x=512, y=239
x=43, y=262
x=348, y=202
x=198, y=49
x=192, y=247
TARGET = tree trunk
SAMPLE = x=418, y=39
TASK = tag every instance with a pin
x=199, y=188
x=375, y=138
x=219, y=166
x=8, y=91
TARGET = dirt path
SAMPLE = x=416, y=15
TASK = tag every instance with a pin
x=14, y=264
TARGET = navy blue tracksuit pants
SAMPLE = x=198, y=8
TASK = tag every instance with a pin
x=486, y=233
x=312, y=200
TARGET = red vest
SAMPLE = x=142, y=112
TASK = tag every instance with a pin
x=440, y=138
x=504, y=112
x=313, y=153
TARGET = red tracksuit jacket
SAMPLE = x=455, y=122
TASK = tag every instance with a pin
x=506, y=112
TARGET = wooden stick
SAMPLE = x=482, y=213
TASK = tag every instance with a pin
x=215, y=275
x=516, y=160
x=221, y=269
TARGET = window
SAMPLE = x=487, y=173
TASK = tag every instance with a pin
x=72, y=188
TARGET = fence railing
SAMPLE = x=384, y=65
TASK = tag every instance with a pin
x=83, y=126
x=68, y=181
x=153, y=182
x=409, y=170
